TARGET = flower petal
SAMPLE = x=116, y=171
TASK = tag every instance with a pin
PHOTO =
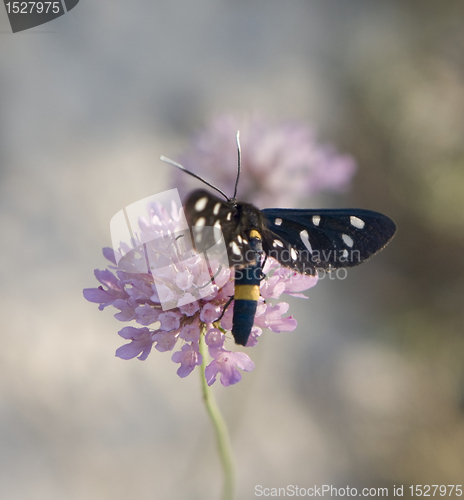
x=146, y=315
x=190, y=333
x=140, y=346
x=165, y=341
x=275, y=322
x=169, y=320
x=226, y=364
x=184, y=280
x=210, y=313
x=188, y=357
x=108, y=253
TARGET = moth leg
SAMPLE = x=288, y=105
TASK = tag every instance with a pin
x=263, y=276
x=264, y=261
x=262, y=267
x=225, y=308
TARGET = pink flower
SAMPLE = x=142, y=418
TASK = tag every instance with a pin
x=165, y=341
x=100, y=295
x=280, y=162
x=138, y=298
x=226, y=363
x=188, y=357
x=170, y=320
x=283, y=280
x=140, y=346
x=272, y=318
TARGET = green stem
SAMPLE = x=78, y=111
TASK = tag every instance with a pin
x=220, y=428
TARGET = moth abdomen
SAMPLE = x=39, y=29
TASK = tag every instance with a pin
x=246, y=294
x=243, y=319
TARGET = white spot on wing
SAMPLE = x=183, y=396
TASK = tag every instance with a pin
x=278, y=221
x=229, y=216
x=201, y=204
x=277, y=243
x=235, y=248
x=357, y=222
x=348, y=241
x=293, y=254
x=239, y=239
x=216, y=208
x=316, y=219
x=345, y=254
x=200, y=222
x=305, y=239
x=217, y=224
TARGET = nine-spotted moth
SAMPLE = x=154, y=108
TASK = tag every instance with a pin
x=304, y=240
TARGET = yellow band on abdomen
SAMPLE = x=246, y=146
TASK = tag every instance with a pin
x=255, y=234
x=246, y=292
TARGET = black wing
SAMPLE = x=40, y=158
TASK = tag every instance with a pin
x=204, y=210
x=306, y=240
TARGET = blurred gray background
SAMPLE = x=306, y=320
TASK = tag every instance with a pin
x=369, y=390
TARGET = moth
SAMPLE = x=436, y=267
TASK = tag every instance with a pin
x=304, y=240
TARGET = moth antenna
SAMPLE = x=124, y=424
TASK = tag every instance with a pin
x=175, y=164
x=239, y=167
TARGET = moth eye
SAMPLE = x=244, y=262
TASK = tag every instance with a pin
x=348, y=241
x=201, y=204
x=357, y=222
x=216, y=208
x=316, y=220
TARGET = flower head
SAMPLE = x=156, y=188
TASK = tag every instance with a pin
x=280, y=162
x=193, y=309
